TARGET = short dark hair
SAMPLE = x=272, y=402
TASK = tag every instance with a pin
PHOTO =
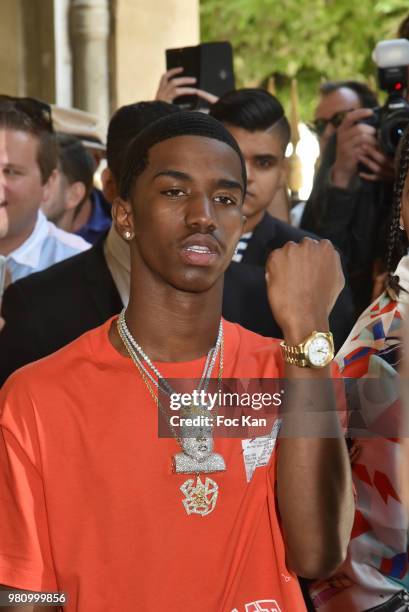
x=366, y=96
x=76, y=163
x=125, y=124
x=252, y=109
x=47, y=153
x=183, y=123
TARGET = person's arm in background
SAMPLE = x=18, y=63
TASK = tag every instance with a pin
x=171, y=86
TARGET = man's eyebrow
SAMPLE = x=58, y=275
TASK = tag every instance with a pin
x=13, y=164
x=173, y=174
x=177, y=174
x=229, y=184
x=266, y=156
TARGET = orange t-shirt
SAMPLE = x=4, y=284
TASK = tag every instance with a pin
x=89, y=504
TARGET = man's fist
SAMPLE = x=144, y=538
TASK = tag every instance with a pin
x=303, y=283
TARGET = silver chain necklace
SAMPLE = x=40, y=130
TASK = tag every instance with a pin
x=161, y=381
x=197, y=456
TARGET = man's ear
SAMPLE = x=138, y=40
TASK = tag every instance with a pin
x=48, y=186
x=123, y=218
x=109, y=185
x=74, y=195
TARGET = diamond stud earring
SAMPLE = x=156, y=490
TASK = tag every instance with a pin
x=127, y=235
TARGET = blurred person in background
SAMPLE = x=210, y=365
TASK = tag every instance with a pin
x=95, y=218
x=375, y=575
x=28, y=168
x=351, y=197
x=336, y=99
x=68, y=204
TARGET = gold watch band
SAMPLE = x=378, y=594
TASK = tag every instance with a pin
x=294, y=355
x=298, y=354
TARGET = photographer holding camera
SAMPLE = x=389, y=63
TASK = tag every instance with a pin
x=351, y=196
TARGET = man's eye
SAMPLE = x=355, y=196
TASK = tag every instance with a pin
x=173, y=193
x=227, y=200
x=265, y=163
x=11, y=172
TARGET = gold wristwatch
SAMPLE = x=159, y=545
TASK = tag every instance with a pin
x=317, y=351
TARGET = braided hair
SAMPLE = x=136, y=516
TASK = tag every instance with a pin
x=398, y=242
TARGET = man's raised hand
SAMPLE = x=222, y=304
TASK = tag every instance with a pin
x=171, y=87
x=303, y=283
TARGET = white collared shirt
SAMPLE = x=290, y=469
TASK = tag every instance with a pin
x=45, y=246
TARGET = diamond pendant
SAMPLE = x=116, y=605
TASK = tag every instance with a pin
x=197, y=456
x=186, y=464
x=200, y=498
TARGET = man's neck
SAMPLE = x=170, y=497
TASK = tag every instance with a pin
x=66, y=221
x=12, y=243
x=83, y=217
x=173, y=325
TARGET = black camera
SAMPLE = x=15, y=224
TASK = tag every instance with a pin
x=390, y=120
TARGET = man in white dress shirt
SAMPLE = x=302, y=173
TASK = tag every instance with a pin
x=28, y=161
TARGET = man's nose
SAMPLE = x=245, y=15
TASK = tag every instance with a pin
x=249, y=173
x=200, y=213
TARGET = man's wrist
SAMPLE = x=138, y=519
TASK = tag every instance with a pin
x=340, y=178
x=295, y=333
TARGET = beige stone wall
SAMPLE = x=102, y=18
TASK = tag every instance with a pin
x=27, y=48
x=11, y=76
x=38, y=48
x=143, y=30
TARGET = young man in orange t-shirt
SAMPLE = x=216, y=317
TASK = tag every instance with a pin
x=92, y=502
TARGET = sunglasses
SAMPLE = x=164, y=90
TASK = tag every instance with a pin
x=37, y=111
x=320, y=125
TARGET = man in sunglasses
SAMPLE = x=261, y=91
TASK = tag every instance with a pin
x=28, y=162
x=337, y=98
x=348, y=204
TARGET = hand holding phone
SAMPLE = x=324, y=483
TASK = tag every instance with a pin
x=171, y=87
x=207, y=74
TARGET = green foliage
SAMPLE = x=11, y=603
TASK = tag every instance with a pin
x=313, y=40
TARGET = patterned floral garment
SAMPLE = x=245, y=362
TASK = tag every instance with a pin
x=377, y=564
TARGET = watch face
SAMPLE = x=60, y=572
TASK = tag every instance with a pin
x=319, y=351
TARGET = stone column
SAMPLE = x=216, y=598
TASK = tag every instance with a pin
x=90, y=26
x=63, y=54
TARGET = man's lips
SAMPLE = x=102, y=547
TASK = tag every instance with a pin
x=200, y=250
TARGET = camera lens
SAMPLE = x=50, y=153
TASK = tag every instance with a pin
x=392, y=129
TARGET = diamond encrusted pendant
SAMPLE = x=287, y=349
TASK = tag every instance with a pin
x=200, y=498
